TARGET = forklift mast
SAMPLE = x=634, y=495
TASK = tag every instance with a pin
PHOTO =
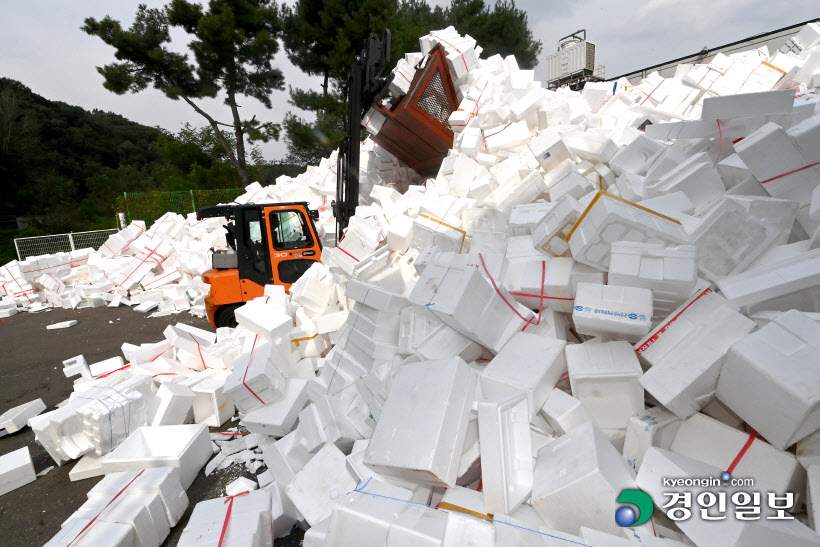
x=365, y=83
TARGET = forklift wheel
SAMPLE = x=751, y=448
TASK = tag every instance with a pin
x=226, y=317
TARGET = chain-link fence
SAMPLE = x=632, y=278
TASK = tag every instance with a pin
x=60, y=243
x=149, y=206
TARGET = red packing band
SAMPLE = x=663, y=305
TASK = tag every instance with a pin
x=199, y=348
x=742, y=452
x=454, y=47
x=542, y=297
x=250, y=360
x=529, y=321
x=87, y=526
x=665, y=327
x=496, y=133
x=107, y=374
x=229, y=501
x=653, y=91
x=164, y=374
x=348, y=254
x=793, y=171
x=475, y=108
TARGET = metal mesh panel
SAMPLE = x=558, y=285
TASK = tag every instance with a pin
x=434, y=100
x=149, y=206
x=60, y=243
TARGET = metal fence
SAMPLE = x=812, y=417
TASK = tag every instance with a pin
x=149, y=206
x=57, y=243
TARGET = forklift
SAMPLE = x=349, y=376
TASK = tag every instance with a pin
x=275, y=243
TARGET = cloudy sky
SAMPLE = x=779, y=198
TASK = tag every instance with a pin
x=42, y=46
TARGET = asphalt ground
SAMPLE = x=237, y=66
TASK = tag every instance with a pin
x=31, y=367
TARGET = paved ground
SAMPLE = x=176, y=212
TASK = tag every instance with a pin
x=31, y=367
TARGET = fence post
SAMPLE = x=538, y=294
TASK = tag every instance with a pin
x=17, y=248
x=127, y=210
x=71, y=242
x=193, y=203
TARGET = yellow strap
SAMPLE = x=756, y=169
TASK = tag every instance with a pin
x=434, y=219
x=616, y=198
x=444, y=505
x=297, y=340
x=774, y=68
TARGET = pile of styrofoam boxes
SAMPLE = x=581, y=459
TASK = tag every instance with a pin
x=598, y=290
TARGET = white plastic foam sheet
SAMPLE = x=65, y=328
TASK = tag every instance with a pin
x=467, y=301
x=780, y=363
x=185, y=447
x=706, y=439
x=164, y=481
x=611, y=310
x=792, y=283
x=578, y=478
x=686, y=352
x=16, y=470
x=16, y=418
x=255, y=380
x=249, y=522
x=322, y=483
x=421, y=431
x=506, y=453
x=605, y=377
x=609, y=218
x=670, y=272
x=365, y=518
x=730, y=532
x=528, y=363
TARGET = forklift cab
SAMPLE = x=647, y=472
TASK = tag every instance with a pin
x=273, y=244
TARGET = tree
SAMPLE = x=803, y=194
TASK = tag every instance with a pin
x=233, y=43
x=322, y=36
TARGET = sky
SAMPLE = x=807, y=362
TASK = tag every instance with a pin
x=42, y=46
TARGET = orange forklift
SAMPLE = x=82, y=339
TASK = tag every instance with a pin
x=275, y=243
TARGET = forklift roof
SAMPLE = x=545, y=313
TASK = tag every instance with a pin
x=229, y=211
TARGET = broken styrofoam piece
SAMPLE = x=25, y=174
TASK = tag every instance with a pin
x=16, y=418
x=16, y=470
x=778, y=363
x=87, y=467
x=62, y=325
x=239, y=485
x=445, y=390
x=184, y=447
x=506, y=453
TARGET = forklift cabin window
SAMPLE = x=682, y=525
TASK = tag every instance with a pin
x=253, y=238
x=290, y=230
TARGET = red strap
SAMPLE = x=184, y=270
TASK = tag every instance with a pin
x=653, y=91
x=542, y=297
x=742, y=452
x=250, y=360
x=348, y=254
x=454, y=47
x=668, y=324
x=229, y=501
x=164, y=374
x=87, y=526
x=529, y=321
x=107, y=374
x=496, y=133
x=787, y=173
x=475, y=108
x=199, y=348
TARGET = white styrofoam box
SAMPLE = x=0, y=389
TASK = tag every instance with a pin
x=731, y=532
x=163, y=481
x=705, y=439
x=652, y=427
x=255, y=380
x=400, y=234
x=316, y=488
x=550, y=233
x=102, y=533
x=264, y=320
x=686, y=352
x=590, y=145
x=578, y=478
x=211, y=407
x=145, y=513
x=418, y=525
x=249, y=522
x=525, y=216
x=516, y=192
x=106, y=366
x=471, y=304
x=632, y=157
x=780, y=363
x=423, y=423
x=16, y=418
x=16, y=470
x=430, y=230
x=670, y=272
x=609, y=218
x=549, y=149
x=605, y=378
x=506, y=453
x=185, y=447
x=611, y=310
x=277, y=418
x=286, y=457
x=511, y=136
x=365, y=518
x=791, y=283
x=529, y=364
x=748, y=104
x=808, y=450
x=423, y=334
x=466, y=523
x=375, y=297
x=564, y=412
x=695, y=177
x=172, y=404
